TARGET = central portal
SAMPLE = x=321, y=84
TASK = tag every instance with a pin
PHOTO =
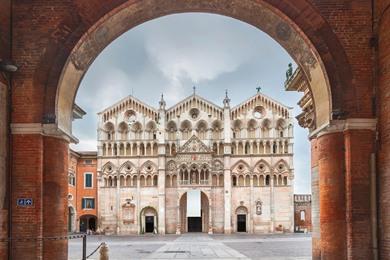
x=194, y=212
x=194, y=224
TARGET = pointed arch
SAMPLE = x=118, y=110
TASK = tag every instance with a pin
x=240, y=162
x=127, y=167
x=108, y=167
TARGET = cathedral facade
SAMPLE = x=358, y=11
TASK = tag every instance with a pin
x=195, y=167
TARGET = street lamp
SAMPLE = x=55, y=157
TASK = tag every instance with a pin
x=8, y=66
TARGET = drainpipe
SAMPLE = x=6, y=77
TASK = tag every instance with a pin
x=373, y=160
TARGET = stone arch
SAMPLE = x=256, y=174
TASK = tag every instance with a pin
x=145, y=167
x=125, y=167
x=108, y=167
x=257, y=169
x=246, y=165
x=283, y=163
x=205, y=210
x=241, y=215
x=145, y=212
x=319, y=56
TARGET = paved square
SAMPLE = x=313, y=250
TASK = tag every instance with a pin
x=199, y=246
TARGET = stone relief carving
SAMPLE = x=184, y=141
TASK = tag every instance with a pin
x=194, y=145
x=259, y=207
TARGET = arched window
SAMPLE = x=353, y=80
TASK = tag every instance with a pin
x=247, y=181
x=234, y=180
x=303, y=215
x=221, y=180
x=155, y=180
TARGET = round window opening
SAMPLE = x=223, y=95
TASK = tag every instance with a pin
x=259, y=112
x=240, y=167
x=70, y=197
x=280, y=166
x=194, y=113
x=128, y=167
x=261, y=167
x=149, y=168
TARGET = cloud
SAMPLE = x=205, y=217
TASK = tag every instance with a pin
x=188, y=53
x=173, y=53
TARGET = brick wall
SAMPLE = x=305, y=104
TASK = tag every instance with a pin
x=45, y=32
x=384, y=126
x=302, y=202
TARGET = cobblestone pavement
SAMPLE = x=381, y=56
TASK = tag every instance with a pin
x=199, y=246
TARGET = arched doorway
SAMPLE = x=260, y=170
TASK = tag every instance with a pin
x=88, y=223
x=195, y=224
x=241, y=219
x=71, y=219
x=148, y=220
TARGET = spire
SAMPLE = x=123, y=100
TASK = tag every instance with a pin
x=194, y=88
x=226, y=101
x=162, y=102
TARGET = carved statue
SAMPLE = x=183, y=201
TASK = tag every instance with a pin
x=258, y=207
x=289, y=72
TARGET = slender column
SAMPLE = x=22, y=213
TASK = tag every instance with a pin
x=210, y=231
x=272, y=207
x=332, y=195
x=118, y=199
x=251, y=206
x=178, y=222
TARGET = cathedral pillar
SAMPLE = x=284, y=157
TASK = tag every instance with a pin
x=227, y=191
x=227, y=165
x=161, y=166
x=117, y=202
x=161, y=189
x=272, y=205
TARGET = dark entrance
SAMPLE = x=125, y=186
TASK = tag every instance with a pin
x=149, y=224
x=241, y=223
x=87, y=223
x=194, y=224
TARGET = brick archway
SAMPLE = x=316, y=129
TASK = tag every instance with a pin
x=54, y=42
x=326, y=72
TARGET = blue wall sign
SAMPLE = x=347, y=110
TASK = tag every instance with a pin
x=24, y=202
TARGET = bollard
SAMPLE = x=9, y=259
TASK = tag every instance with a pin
x=84, y=247
x=103, y=252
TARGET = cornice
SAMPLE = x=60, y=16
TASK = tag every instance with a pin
x=336, y=126
x=51, y=130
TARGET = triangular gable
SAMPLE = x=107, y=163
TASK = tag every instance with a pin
x=194, y=145
x=194, y=98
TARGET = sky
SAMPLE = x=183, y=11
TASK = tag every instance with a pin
x=172, y=54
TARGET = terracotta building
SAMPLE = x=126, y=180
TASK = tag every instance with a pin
x=302, y=213
x=82, y=195
x=195, y=166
